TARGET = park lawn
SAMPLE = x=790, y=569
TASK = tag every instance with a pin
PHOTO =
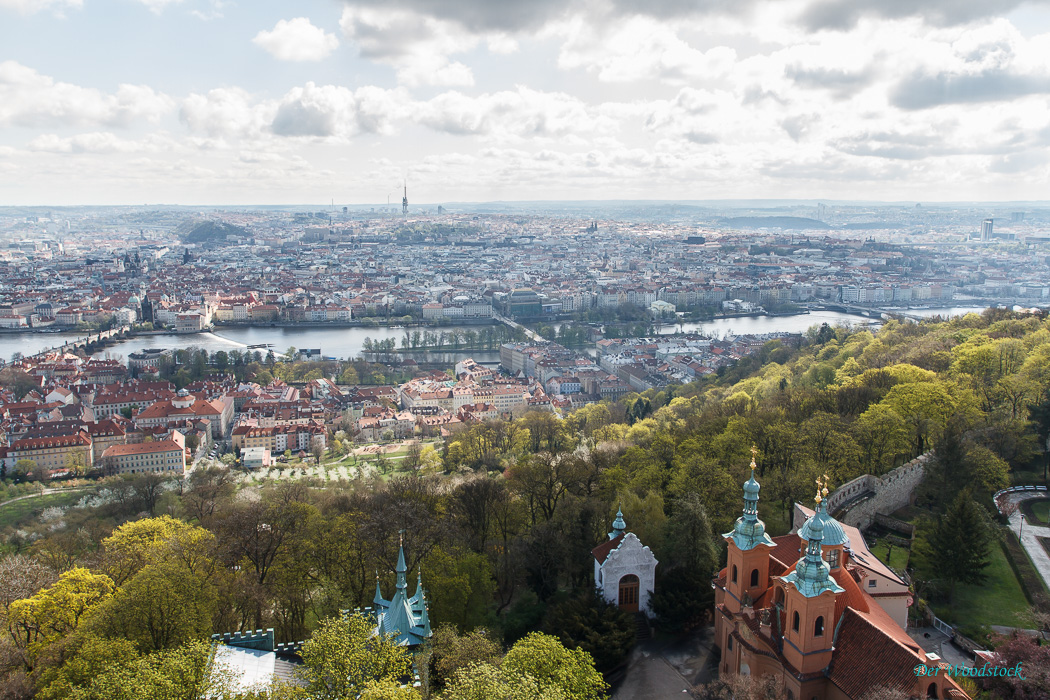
x=1041, y=511
x=898, y=558
x=997, y=601
x=17, y=513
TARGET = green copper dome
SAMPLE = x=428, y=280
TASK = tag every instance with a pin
x=812, y=575
x=749, y=531
x=833, y=534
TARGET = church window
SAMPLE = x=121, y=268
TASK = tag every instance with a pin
x=729, y=644
x=734, y=573
x=754, y=577
x=818, y=627
x=833, y=558
x=794, y=621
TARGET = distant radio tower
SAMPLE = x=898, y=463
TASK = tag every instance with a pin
x=404, y=201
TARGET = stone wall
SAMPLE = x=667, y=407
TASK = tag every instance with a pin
x=857, y=502
x=886, y=494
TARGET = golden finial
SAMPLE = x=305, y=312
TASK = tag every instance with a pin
x=818, y=490
x=754, y=456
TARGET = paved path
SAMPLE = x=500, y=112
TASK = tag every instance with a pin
x=1036, y=551
x=932, y=639
x=662, y=668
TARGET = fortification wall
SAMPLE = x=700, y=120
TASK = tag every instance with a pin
x=858, y=501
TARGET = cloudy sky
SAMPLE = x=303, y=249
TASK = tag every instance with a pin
x=258, y=101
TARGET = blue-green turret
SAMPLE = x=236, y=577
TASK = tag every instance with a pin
x=619, y=526
x=401, y=569
x=812, y=575
x=749, y=531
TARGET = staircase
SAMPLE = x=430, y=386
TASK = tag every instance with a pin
x=641, y=627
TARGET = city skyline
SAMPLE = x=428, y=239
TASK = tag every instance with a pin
x=211, y=102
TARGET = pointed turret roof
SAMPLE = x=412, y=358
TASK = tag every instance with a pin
x=404, y=619
x=750, y=532
x=619, y=526
x=812, y=575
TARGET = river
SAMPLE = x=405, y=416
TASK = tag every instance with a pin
x=349, y=342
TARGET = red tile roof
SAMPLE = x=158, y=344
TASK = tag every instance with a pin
x=141, y=448
x=601, y=552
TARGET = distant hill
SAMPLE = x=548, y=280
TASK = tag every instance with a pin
x=788, y=222
x=209, y=231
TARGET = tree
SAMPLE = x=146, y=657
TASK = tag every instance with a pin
x=149, y=487
x=959, y=544
x=207, y=488
x=555, y=668
x=487, y=681
x=690, y=544
x=138, y=543
x=164, y=605
x=54, y=612
x=590, y=623
x=24, y=467
x=183, y=673
x=1034, y=660
x=343, y=656
x=451, y=651
x=93, y=658
x=460, y=586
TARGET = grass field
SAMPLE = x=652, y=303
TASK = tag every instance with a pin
x=898, y=556
x=1041, y=511
x=19, y=512
x=994, y=602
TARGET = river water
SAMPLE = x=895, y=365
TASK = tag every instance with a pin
x=349, y=342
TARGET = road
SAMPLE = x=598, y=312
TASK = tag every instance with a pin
x=1031, y=533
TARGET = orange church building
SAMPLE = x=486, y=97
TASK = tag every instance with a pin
x=796, y=607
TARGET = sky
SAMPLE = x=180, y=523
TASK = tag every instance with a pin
x=246, y=102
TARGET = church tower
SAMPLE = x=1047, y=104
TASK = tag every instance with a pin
x=747, y=561
x=809, y=604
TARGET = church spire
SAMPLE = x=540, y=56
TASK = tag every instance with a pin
x=401, y=569
x=749, y=531
x=619, y=526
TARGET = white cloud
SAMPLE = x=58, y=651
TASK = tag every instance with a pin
x=297, y=40
x=225, y=112
x=29, y=7
x=416, y=46
x=97, y=142
x=638, y=48
x=319, y=111
x=157, y=6
x=30, y=99
x=523, y=113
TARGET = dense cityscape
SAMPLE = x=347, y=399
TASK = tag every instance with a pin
x=538, y=350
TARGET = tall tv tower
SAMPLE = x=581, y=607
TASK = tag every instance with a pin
x=404, y=201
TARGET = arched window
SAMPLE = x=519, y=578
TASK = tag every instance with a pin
x=734, y=573
x=931, y=692
x=794, y=621
x=833, y=558
x=818, y=627
x=754, y=577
